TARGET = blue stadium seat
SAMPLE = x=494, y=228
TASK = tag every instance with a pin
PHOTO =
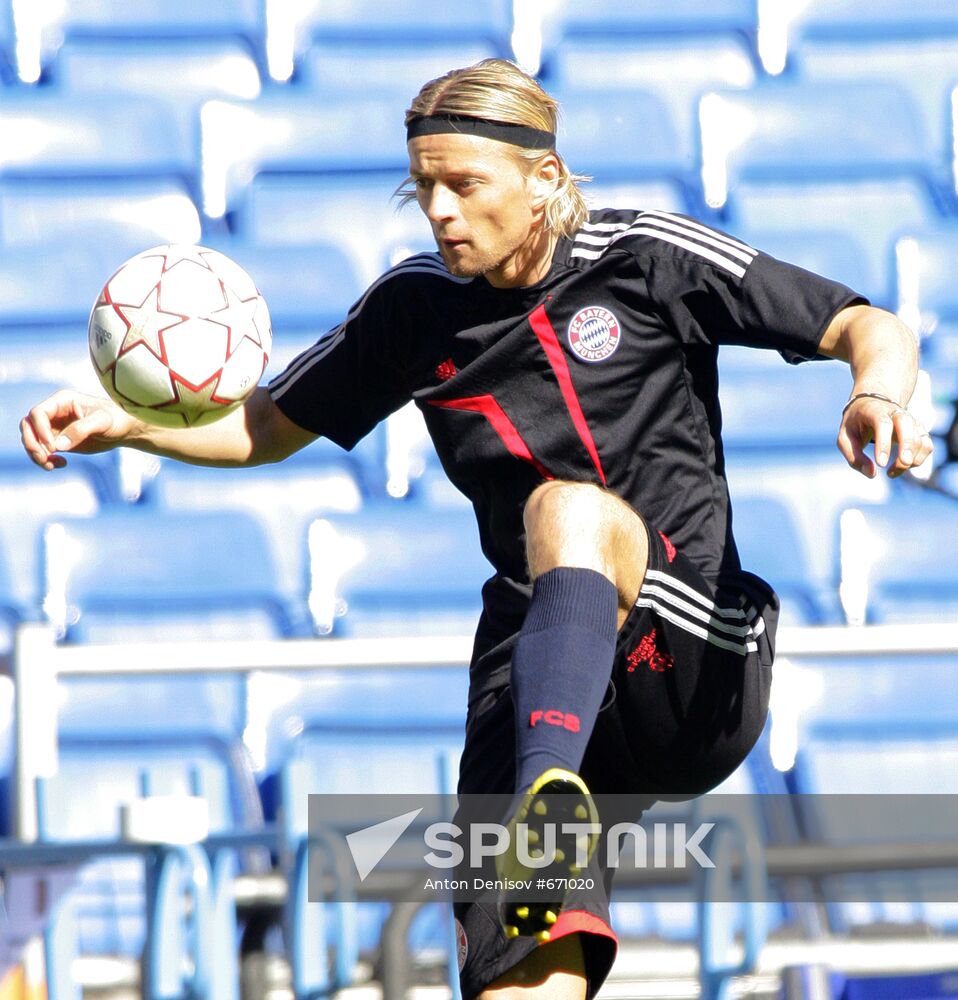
x=771, y=452
x=396, y=569
x=611, y=17
x=899, y=561
x=819, y=18
x=646, y=143
x=181, y=72
x=295, y=132
x=759, y=394
x=770, y=545
x=925, y=264
x=53, y=136
x=136, y=574
x=852, y=157
x=411, y=19
x=28, y=500
x=398, y=30
x=384, y=732
x=47, y=28
x=7, y=44
x=397, y=68
x=282, y=499
x=882, y=726
x=676, y=68
x=893, y=59
x=30, y=497
x=356, y=212
x=811, y=133
x=125, y=214
x=11, y=613
x=33, y=292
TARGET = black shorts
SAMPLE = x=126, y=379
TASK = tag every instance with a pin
x=687, y=701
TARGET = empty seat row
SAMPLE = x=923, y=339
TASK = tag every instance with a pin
x=769, y=164
x=240, y=561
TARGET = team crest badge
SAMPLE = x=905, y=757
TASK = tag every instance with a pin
x=594, y=334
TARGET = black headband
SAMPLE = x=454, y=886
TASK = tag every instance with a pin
x=517, y=135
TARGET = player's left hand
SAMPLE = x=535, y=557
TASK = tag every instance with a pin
x=893, y=430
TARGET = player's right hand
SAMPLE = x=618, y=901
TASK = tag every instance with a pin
x=72, y=421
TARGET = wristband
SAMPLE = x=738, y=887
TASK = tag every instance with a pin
x=872, y=395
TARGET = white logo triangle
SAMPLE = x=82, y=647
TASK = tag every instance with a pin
x=371, y=844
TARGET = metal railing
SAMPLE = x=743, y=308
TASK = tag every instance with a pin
x=39, y=661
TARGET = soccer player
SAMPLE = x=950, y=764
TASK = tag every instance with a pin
x=565, y=364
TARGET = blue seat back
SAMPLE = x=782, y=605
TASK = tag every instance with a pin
x=52, y=135
x=873, y=727
x=813, y=132
x=295, y=132
x=647, y=143
x=135, y=571
x=769, y=545
x=900, y=560
x=677, y=68
x=125, y=214
x=300, y=209
x=396, y=568
x=621, y=16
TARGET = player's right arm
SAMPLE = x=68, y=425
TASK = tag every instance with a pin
x=255, y=433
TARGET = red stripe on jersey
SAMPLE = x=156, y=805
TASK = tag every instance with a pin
x=550, y=344
x=501, y=424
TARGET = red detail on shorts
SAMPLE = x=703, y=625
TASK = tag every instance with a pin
x=501, y=424
x=580, y=921
x=446, y=370
x=646, y=652
x=554, y=717
x=669, y=547
x=543, y=329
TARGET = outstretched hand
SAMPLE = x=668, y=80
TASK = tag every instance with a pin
x=891, y=428
x=72, y=421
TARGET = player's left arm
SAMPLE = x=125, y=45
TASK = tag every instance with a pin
x=883, y=355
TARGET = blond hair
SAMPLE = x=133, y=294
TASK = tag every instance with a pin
x=499, y=90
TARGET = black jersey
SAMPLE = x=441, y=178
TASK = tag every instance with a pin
x=604, y=372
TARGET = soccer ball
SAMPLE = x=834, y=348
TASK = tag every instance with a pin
x=179, y=335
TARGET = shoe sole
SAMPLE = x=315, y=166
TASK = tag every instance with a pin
x=556, y=797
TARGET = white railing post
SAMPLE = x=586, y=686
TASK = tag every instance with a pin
x=34, y=721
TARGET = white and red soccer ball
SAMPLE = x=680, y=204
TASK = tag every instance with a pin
x=180, y=335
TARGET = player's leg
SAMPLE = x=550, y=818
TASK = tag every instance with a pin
x=587, y=552
x=487, y=957
x=555, y=971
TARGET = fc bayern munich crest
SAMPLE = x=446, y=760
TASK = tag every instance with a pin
x=594, y=334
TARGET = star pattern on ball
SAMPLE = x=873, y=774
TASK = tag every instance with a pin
x=194, y=400
x=238, y=315
x=178, y=252
x=146, y=324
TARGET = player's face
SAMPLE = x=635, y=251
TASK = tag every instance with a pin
x=485, y=207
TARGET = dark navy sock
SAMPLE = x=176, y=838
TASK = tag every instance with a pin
x=561, y=669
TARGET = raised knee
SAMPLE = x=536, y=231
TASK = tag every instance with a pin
x=571, y=524
x=559, y=502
